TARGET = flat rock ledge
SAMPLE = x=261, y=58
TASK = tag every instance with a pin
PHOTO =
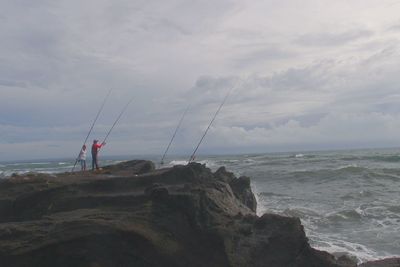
x=131, y=214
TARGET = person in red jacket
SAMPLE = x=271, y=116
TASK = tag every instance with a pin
x=95, y=150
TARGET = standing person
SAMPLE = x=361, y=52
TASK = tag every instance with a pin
x=95, y=149
x=82, y=158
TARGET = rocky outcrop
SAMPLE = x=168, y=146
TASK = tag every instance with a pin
x=133, y=215
x=392, y=262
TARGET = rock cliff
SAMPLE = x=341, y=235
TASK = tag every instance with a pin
x=133, y=215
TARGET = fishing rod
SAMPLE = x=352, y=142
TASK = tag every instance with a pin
x=173, y=136
x=116, y=121
x=91, y=128
x=192, y=157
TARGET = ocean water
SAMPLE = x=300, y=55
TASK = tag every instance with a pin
x=348, y=201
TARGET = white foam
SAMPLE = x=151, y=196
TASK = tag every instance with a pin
x=178, y=162
x=347, y=166
x=333, y=244
x=208, y=163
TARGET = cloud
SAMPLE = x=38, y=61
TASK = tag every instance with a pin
x=263, y=54
x=298, y=71
x=333, y=105
x=395, y=27
x=333, y=39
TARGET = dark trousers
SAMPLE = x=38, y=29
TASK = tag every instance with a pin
x=94, y=161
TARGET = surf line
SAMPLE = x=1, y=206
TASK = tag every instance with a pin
x=192, y=157
x=173, y=136
x=91, y=128
x=118, y=118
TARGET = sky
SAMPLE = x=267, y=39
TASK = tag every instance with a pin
x=305, y=75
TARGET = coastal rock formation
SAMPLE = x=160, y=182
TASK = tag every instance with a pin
x=130, y=214
x=392, y=262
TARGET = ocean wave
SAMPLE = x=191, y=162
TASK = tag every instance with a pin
x=350, y=158
x=385, y=175
x=36, y=163
x=334, y=244
x=387, y=158
x=300, y=212
x=344, y=215
x=351, y=168
x=270, y=194
x=301, y=155
x=330, y=173
x=178, y=162
x=376, y=158
x=395, y=209
x=358, y=195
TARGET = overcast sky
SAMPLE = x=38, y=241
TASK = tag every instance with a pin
x=307, y=74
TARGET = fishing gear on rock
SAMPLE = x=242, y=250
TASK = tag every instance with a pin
x=91, y=128
x=94, y=122
x=173, y=136
x=193, y=156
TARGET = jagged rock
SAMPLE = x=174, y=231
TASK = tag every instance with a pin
x=345, y=259
x=392, y=262
x=240, y=187
x=131, y=167
x=223, y=175
x=132, y=215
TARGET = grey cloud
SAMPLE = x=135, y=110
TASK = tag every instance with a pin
x=12, y=83
x=208, y=89
x=165, y=26
x=263, y=55
x=394, y=27
x=59, y=58
x=333, y=39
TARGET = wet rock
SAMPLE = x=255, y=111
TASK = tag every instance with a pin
x=131, y=167
x=133, y=215
x=345, y=259
x=241, y=188
x=391, y=262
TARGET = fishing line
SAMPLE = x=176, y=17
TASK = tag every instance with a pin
x=116, y=121
x=173, y=136
x=192, y=157
x=94, y=122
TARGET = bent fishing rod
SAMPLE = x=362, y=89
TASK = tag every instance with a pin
x=192, y=157
x=116, y=121
x=91, y=128
x=173, y=136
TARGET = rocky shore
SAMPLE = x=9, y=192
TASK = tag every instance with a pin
x=131, y=214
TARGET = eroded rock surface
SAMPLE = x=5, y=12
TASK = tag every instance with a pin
x=130, y=214
x=392, y=262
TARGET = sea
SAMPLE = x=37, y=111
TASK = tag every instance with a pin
x=348, y=200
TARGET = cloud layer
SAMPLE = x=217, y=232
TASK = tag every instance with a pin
x=306, y=75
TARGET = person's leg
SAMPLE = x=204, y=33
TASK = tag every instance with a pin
x=93, y=159
x=84, y=165
x=81, y=162
x=96, y=162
